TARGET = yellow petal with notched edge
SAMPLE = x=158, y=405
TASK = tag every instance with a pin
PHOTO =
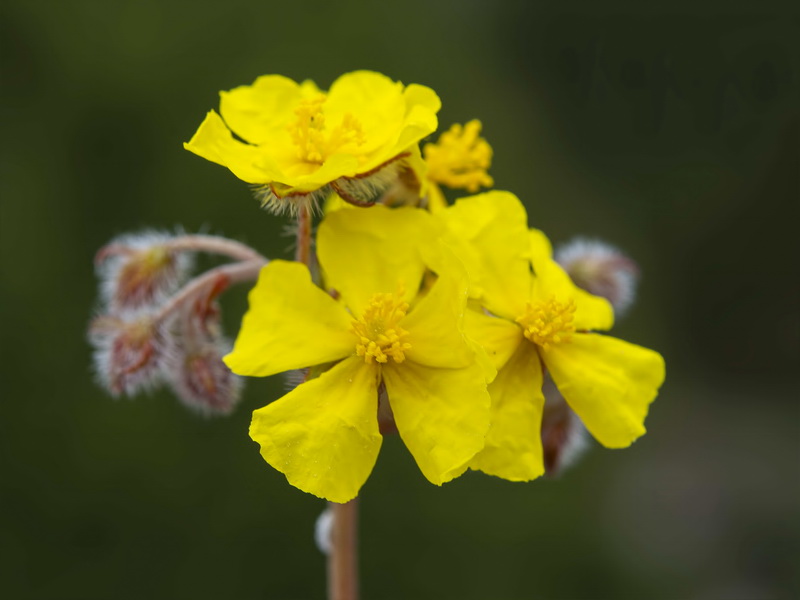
x=442, y=415
x=370, y=251
x=290, y=324
x=514, y=444
x=609, y=383
x=494, y=228
x=551, y=281
x=324, y=435
x=213, y=141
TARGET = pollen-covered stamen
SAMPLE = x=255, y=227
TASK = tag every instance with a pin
x=549, y=322
x=460, y=158
x=314, y=141
x=379, y=334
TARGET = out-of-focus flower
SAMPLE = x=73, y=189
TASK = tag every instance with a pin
x=140, y=270
x=602, y=270
x=324, y=435
x=460, y=159
x=302, y=144
x=534, y=316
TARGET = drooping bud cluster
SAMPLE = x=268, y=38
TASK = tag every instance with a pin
x=153, y=332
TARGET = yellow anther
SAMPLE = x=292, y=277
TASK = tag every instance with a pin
x=547, y=323
x=460, y=158
x=314, y=142
x=378, y=333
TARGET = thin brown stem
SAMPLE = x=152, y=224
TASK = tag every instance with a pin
x=302, y=252
x=225, y=274
x=343, y=557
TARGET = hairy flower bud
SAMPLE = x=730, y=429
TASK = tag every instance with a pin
x=129, y=353
x=564, y=437
x=140, y=270
x=602, y=270
x=194, y=368
x=202, y=381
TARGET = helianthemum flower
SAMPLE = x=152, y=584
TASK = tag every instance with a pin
x=460, y=160
x=533, y=318
x=301, y=144
x=324, y=434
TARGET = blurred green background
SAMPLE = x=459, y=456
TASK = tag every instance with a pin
x=672, y=131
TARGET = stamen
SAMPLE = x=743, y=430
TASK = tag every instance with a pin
x=314, y=142
x=378, y=333
x=549, y=322
x=460, y=158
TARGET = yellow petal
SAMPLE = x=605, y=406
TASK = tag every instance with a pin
x=437, y=201
x=514, y=444
x=442, y=415
x=541, y=248
x=499, y=338
x=290, y=324
x=368, y=251
x=260, y=113
x=213, y=141
x=436, y=323
x=592, y=312
x=372, y=98
x=494, y=226
x=324, y=435
x=609, y=383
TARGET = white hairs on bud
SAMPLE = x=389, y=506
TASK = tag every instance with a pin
x=601, y=269
x=367, y=189
x=293, y=378
x=201, y=380
x=564, y=437
x=120, y=255
x=323, y=530
x=129, y=353
x=290, y=204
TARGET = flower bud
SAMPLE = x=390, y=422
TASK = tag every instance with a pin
x=601, y=269
x=140, y=270
x=129, y=353
x=564, y=437
x=197, y=374
x=202, y=381
x=323, y=530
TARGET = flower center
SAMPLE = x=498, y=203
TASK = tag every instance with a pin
x=460, y=158
x=315, y=142
x=379, y=335
x=547, y=323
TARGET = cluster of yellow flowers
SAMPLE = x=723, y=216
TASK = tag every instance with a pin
x=445, y=321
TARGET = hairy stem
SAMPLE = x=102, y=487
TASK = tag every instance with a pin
x=216, y=245
x=343, y=558
x=223, y=275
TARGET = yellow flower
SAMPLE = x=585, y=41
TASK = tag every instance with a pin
x=301, y=144
x=534, y=317
x=324, y=434
x=460, y=159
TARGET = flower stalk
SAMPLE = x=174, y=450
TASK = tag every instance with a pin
x=343, y=557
